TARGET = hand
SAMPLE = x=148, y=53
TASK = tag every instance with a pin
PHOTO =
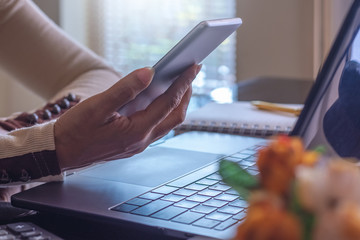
x=94, y=131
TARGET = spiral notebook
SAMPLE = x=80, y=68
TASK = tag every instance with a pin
x=241, y=118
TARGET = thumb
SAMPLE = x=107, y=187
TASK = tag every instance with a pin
x=126, y=89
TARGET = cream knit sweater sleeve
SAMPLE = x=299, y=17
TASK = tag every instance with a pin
x=34, y=51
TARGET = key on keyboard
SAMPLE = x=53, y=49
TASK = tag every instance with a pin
x=25, y=230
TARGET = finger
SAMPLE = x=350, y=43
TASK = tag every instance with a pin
x=176, y=117
x=159, y=109
x=125, y=90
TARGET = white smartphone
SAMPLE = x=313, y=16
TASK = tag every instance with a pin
x=192, y=49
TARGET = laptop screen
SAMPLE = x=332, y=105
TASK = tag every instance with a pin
x=331, y=117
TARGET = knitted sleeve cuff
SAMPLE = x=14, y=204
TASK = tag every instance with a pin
x=29, y=154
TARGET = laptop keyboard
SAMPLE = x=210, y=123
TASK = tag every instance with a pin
x=207, y=202
x=25, y=230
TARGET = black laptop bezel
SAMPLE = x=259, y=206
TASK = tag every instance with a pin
x=336, y=54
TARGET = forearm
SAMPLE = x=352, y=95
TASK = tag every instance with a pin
x=37, y=53
x=27, y=148
x=88, y=84
x=40, y=55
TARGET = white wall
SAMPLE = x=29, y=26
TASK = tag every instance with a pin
x=276, y=38
x=334, y=14
x=73, y=19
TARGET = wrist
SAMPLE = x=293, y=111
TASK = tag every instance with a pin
x=61, y=148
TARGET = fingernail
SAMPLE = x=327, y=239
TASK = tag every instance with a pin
x=146, y=74
x=198, y=68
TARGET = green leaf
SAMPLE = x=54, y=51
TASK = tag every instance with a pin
x=236, y=177
x=320, y=149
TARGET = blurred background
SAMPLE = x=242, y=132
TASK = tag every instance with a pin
x=278, y=38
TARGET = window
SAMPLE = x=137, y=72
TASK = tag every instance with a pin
x=134, y=34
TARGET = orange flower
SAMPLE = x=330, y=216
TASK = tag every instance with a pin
x=310, y=158
x=351, y=221
x=267, y=220
x=278, y=161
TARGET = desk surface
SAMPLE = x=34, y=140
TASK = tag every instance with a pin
x=271, y=89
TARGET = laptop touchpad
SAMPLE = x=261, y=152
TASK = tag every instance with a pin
x=153, y=167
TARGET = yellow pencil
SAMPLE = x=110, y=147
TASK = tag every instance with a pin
x=276, y=107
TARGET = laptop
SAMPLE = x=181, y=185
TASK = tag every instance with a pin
x=174, y=186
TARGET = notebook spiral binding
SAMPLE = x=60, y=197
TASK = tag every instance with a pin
x=244, y=129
